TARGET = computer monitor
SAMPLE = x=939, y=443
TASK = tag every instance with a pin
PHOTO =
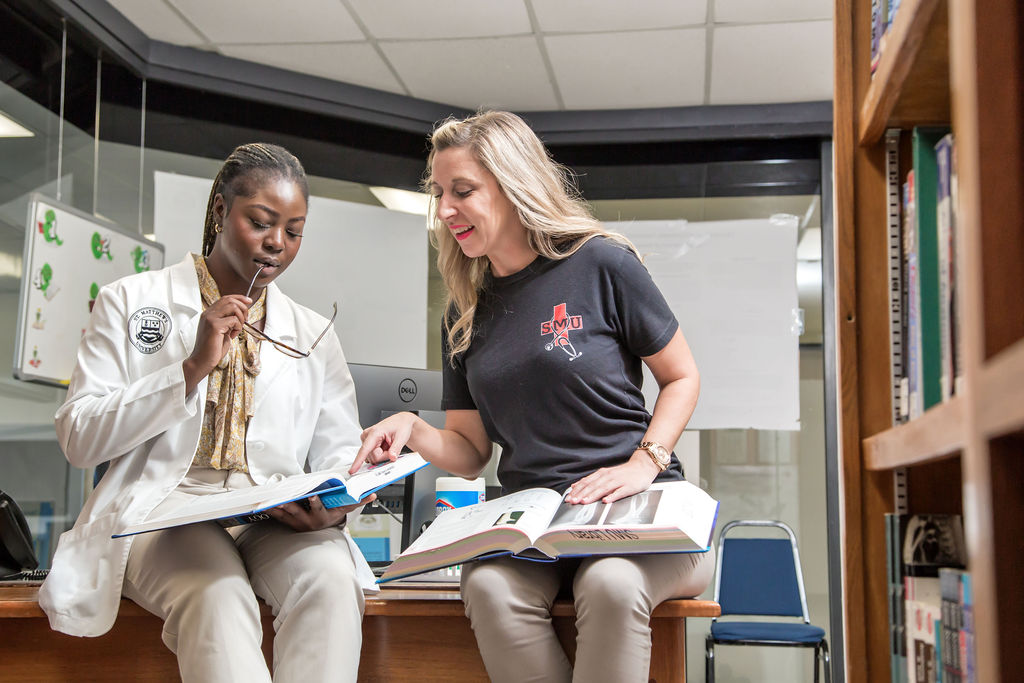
x=383, y=390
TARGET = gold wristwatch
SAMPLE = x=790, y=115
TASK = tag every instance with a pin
x=659, y=454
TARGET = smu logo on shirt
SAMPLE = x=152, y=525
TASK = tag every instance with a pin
x=558, y=327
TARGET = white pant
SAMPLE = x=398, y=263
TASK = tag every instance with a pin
x=508, y=602
x=203, y=581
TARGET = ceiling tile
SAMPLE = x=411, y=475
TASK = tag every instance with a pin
x=472, y=73
x=419, y=20
x=158, y=21
x=772, y=63
x=629, y=70
x=270, y=21
x=756, y=11
x=579, y=16
x=355, y=63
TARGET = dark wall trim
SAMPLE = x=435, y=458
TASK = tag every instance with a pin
x=194, y=68
x=719, y=122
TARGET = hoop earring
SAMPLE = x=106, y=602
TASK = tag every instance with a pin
x=218, y=228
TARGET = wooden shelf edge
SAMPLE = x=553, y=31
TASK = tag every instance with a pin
x=1000, y=408
x=902, y=45
x=936, y=435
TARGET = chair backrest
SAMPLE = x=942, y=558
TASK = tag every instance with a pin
x=760, y=576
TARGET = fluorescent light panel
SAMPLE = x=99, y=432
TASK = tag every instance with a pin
x=10, y=129
x=402, y=200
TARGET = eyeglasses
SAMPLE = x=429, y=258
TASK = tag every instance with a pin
x=281, y=346
x=284, y=348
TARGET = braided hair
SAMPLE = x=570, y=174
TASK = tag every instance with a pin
x=248, y=168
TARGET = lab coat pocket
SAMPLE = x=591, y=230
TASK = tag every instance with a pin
x=82, y=565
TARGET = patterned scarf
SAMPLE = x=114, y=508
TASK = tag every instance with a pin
x=229, y=394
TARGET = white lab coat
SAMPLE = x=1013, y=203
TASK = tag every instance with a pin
x=129, y=407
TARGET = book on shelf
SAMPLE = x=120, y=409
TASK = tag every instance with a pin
x=919, y=547
x=879, y=16
x=897, y=291
x=246, y=506
x=931, y=543
x=957, y=633
x=912, y=300
x=537, y=524
x=922, y=641
x=944, y=223
x=928, y=261
x=895, y=528
x=894, y=5
x=949, y=191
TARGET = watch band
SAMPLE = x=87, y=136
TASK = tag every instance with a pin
x=653, y=449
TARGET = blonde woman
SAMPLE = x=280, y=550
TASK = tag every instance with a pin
x=550, y=319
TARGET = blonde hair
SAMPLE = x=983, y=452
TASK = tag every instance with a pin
x=549, y=205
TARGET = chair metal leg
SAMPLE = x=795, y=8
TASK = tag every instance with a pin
x=827, y=661
x=709, y=660
x=817, y=658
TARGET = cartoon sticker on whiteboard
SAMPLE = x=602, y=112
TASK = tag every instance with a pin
x=35, y=361
x=140, y=259
x=148, y=329
x=101, y=247
x=48, y=228
x=94, y=291
x=43, y=281
x=39, y=323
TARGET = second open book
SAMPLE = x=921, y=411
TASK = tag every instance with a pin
x=536, y=524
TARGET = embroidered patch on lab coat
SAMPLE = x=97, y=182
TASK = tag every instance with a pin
x=148, y=329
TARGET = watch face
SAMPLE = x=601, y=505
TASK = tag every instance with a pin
x=659, y=452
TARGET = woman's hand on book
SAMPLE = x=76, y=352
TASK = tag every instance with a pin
x=315, y=516
x=384, y=441
x=609, y=484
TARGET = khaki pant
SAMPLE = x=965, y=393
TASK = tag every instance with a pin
x=203, y=581
x=508, y=602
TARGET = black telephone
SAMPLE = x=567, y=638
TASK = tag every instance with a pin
x=16, y=555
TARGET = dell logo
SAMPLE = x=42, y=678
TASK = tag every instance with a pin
x=407, y=390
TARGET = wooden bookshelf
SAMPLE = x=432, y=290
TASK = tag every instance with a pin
x=911, y=83
x=937, y=434
x=958, y=63
x=1001, y=410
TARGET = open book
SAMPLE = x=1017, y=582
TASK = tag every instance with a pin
x=536, y=524
x=244, y=506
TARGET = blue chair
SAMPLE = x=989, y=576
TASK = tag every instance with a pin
x=762, y=577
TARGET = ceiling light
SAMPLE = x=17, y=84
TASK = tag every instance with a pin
x=402, y=200
x=10, y=265
x=10, y=129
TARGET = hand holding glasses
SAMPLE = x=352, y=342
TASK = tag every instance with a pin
x=281, y=346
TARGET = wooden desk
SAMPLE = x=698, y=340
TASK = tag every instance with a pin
x=408, y=635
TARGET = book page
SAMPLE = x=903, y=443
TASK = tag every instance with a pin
x=369, y=477
x=527, y=511
x=668, y=517
x=240, y=501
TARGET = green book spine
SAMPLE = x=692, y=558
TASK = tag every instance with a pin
x=926, y=178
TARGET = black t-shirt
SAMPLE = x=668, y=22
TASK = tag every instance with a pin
x=554, y=366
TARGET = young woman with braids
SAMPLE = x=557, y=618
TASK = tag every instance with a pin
x=550, y=316
x=183, y=401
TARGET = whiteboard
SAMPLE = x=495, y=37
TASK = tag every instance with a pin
x=732, y=286
x=68, y=256
x=370, y=260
